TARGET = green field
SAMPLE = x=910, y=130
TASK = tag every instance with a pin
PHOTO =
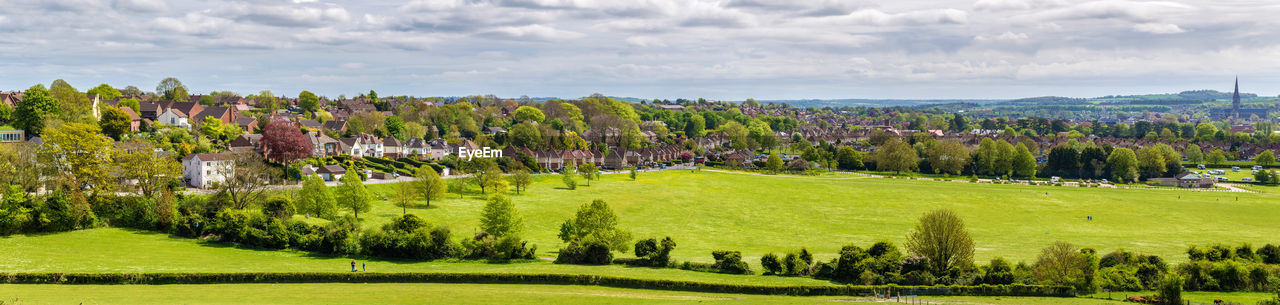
x=426, y=294
x=705, y=211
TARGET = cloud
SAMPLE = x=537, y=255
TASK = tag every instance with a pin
x=193, y=23
x=1006, y=36
x=291, y=15
x=531, y=32
x=1158, y=28
x=140, y=6
x=645, y=41
x=1007, y=5
x=875, y=17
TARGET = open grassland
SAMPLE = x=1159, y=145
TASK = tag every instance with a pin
x=705, y=211
x=1195, y=296
x=427, y=294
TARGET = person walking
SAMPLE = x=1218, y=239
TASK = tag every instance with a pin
x=353, y=266
x=362, y=267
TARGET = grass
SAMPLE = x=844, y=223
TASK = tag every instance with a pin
x=705, y=211
x=424, y=294
x=1196, y=296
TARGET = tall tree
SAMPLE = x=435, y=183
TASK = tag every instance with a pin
x=1123, y=164
x=249, y=179
x=36, y=107
x=104, y=91
x=566, y=175
x=308, y=101
x=429, y=184
x=404, y=195
x=1093, y=162
x=589, y=171
x=1217, y=157
x=897, y=156
x=316, y=199
x=1005, y=153
x=499, y=217
x=1024, y=163
x=948, y=156
x=1194, y=153
x=773, y=164
x=1266, y=158
x=115, y=123
x=528, y=114
x=151, y=172
x=695, y=127
x=941, y=237
x=353, y=195
x=521, y=179
x=595, y=221
x=172, y=90
x=78, y=156
x=283, y=142
x=1063, y=161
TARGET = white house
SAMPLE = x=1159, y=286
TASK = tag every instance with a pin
x=174, y=117
x=203, y=170
x=363, y=145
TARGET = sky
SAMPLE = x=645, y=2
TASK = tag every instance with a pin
x=726, y=50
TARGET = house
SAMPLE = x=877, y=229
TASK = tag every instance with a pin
x=206, y=170
x=322, y=145
x=494, y=130
x=362, y=145
x=391, y=147
x=336, y=125
x=135, y=121
x=172, y=117
x=152, y=111
x=11, y=98
x=331, y=172
x=12, y=136
x=1193, y=180
x=437, y=149
x=249, y=125
x=223, y=114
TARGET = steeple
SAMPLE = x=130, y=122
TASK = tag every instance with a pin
x=1235, y=100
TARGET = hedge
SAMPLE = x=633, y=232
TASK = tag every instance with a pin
x=507, y=278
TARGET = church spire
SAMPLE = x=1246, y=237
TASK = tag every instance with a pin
x=1235, y=99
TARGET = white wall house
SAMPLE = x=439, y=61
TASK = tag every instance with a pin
x=203, y=170
x=174, y=117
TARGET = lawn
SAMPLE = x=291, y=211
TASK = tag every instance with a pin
x=426, y=294
x=1196, y=296
x=705, y=211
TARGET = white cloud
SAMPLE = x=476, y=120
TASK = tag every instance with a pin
x=531, y=32
x=1006, y=36
x=141, y=6
x=291, y=15
x=1158, y=28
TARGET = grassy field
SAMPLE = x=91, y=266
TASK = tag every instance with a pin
x=1196, y=296
x=426, y=294
x=705, y=211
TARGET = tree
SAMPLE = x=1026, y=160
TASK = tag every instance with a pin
x=395, y=127
x=104, y=91
x=566, y=175
x=353, y=195
x=1194, y=154
x=695, y=127
x=1217, y=157
x=1024, y=163
x=897, y=156
x=595, y=221
x=248, y=180
x=526, y=135
x=1266, y=158
x=958, y=123
x=404, y=195
x=848, y=159
x=34, y=109
x=211, y=127
x=1150, y=162
x=1063, y=161
x=940, y=236
x=1205, y=131
x=527, y=114
x=773, y=164
x=489, y=178
x=308, y=101
x=589, y=171
x=984, y=158
x=1123, y=164
x=737, y=134
x=115, y=123
x=1005, y=153
x=78, y=156
x=283, y=142
x=499, y=217
x=172, y=90
x=948, y=156
x=429, y=184
x=521, y=179
x=1061, y=264
x=1093, y=162
x=316, y=199
x=151, y=172
x=632, y=172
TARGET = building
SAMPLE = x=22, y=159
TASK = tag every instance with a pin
x=173, y=117
x=10, y=136
x=205, y=170
x=331, y=172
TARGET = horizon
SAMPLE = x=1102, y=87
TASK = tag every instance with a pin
x=666, y=49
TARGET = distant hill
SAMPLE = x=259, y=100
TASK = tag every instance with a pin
x=816, y=103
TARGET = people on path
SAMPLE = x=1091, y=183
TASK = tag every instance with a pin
x=353, y=266
x=362, y=267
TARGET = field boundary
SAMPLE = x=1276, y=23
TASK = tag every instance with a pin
x=510, y=278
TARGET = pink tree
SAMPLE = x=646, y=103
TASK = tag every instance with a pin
x=283, y=142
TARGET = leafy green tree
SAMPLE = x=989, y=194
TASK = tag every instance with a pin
x=404, y=194
x=948, y=156
x=848, y=159
x=172, y=90
x=316, y=199
x=521, y=179
x=1024, y=163
x=429, y=184
x=353, y=195
x=632, y=173
x=1064, y=161
x=211, y=127
x=499, y=217
x=6, y=114
x=105, y=92
x=1150, y=162
x=566, y=175
x=1194, y=154
x=308, y=101
x=114, y=123
x=1123, y=164
x=737, y=134
x=985, y=157
x=896, y=156
x=526, y=135
x=1205, y=131
x=1266, y=158
x=79, y=155
x=207, y=100
x=773, y=164
x=695, y=127
x=395, y=127
x=528, y=114
x=489, y=178
x=36, y=107
x=589, y=171
x=1061, y=264
x=1005, y=153
x=941, y=237
x=1217, y=157
x=595, y=221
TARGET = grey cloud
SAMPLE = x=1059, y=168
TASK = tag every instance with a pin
x=141, y=6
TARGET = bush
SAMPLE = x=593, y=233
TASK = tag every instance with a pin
x=1171, y=289
x=771, y=264
x=730, y=262
x=590, y=253
x=250, y=228
x=504, y=248
x=278, y=207
x=408, y=236
x=650, y=252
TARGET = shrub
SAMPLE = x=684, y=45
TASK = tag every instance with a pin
x=730, y=262
x=794, y=265
x=771, y=264
x=1270, y=254
x=590, y=253
x=1171, y=289
x=278, y=207
x=500, y=248
x=650, y=252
